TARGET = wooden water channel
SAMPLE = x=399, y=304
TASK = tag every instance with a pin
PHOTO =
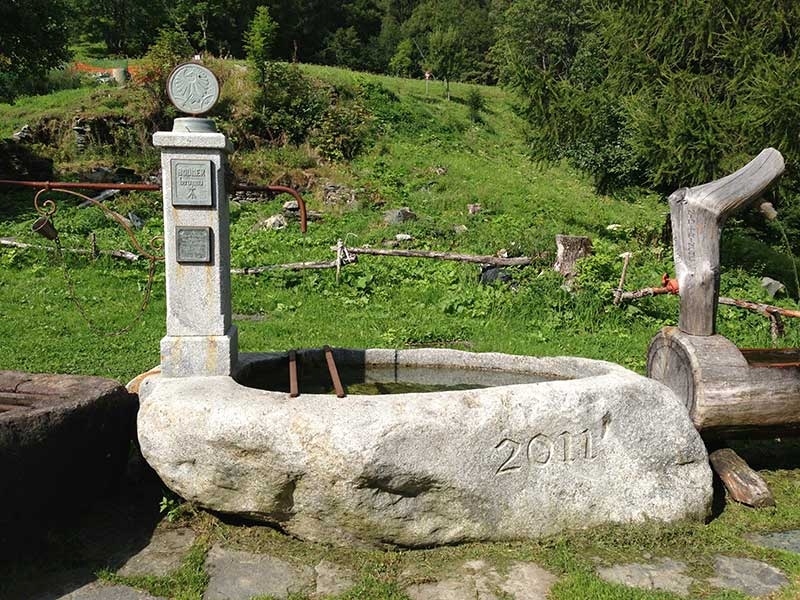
x=729, y=392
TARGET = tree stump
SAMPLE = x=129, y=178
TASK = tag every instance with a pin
x=570, y=248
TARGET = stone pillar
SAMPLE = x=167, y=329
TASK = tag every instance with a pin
x=200, y=338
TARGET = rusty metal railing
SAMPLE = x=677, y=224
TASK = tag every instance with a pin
x=151, y=187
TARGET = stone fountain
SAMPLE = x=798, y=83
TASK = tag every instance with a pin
x=509, y=457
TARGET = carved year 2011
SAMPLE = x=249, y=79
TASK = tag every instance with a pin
x=541, y=449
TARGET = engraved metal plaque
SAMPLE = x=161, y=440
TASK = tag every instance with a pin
x=192, y=182
x=192, y=88
x=193, y=244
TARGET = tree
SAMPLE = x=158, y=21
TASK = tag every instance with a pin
x=457, y=33
x=214, y=25
x=445, y=55
x=655, y=94
x=127, y=27
x=33, y=39
x=259, y=40
x=402, y=63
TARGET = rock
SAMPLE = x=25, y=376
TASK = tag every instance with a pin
x=772, y=286
x=338, y=194
x=61, y=436
x=747, y=576
x=275, y=222
x=422, y=469
x=476, y=580
x=332, y=579
x=162, y=555
x=291, y=206
x=491, y=274
x=780, y=540
x=403, y=237
x=399, y=215
x=136, y=221
x=23, y=135
x=101, y=175
x=17, y=161
x=666, y=574
x=237, y=575
x=104, y=591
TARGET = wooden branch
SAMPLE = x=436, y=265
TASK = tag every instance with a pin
x=626, y=258
x=698, y=215
x=469, y=258
x=299, y=266
x=767, y=309
x=121, y=254
x=101, y=197
x=742, y=483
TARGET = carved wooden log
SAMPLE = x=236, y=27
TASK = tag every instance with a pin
x=743, y=483
x=728, y=392
x=570, y=248
x=697, y=215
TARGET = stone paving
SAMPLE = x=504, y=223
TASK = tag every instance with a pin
x=239, y=575
x=751, y=577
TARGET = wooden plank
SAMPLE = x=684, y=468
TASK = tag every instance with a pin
x=742, y=483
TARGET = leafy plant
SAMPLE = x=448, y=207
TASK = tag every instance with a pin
x=170, y=49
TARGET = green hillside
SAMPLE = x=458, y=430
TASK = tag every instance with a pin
x=433, y=156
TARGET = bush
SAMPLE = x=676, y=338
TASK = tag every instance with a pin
x=170, y=49
x=344, y=131
x=288, y=105
x=476, y=104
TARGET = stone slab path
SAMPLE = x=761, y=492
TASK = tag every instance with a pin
x=751, y=577
x=780, y=540
x=101, y=591
x=477, y=580
x=164, y=553
x=666, y=575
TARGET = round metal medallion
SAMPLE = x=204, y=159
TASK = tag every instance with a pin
x=192, y=88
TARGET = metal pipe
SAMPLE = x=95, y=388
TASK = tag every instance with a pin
x=337, y=383
x=151, y=187
x=294, y=392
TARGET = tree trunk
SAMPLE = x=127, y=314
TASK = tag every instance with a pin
x=698, y=215
x=570, y=248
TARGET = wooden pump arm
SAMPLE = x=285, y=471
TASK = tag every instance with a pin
x=697, y=215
